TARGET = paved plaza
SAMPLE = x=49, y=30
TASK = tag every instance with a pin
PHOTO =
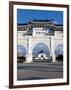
x=39, y=70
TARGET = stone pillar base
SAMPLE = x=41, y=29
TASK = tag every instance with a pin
x=53, y=58
x=29, y=59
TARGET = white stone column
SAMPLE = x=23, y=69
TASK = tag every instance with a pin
x=52, y=50
x=53, y=58
x=29, y=51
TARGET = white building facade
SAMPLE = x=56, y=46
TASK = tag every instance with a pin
x=39, y=31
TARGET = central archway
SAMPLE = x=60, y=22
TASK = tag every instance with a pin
x=40, y=51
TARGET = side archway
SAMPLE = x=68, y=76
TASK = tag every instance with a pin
x=21, y=53
x=59, y=52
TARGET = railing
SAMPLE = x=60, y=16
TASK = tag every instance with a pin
x=26, y=34
x=50, y=33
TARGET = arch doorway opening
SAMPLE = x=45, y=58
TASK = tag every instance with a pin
x=21, y=53
x=41, y=53
x=59, y=52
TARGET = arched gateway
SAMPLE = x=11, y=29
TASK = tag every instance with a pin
x=39, y=34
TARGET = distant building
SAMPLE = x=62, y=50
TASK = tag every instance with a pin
x=42, y=55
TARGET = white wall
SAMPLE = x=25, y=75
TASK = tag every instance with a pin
x=4, y=45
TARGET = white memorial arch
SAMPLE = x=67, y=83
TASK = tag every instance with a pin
x=38, y=31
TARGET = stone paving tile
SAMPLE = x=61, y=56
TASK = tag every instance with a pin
x=39, y=70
